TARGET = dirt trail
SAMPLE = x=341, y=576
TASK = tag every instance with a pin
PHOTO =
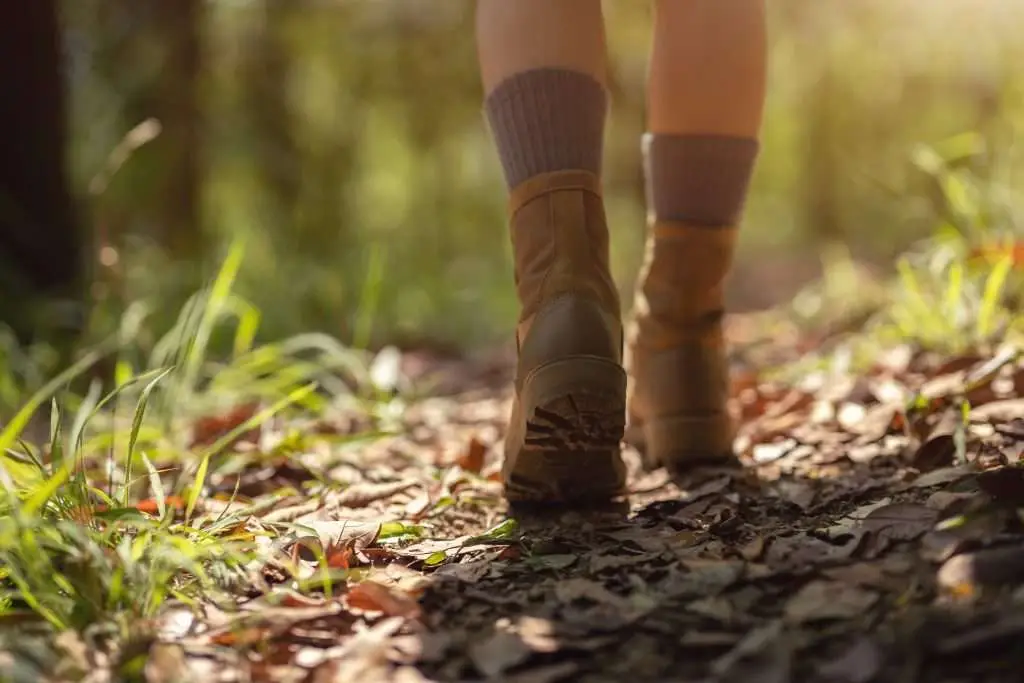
x=862, y=541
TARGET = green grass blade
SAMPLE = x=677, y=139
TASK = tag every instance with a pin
x=991, y=297
x=367, y=308
x=55, y=423
x=157, y=485
x=248, y=323
x=42, y=494
x=140, y=412
x=215, y=304
x=82, y=416
x=954, y=291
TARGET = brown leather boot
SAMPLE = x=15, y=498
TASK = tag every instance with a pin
x=675, y=353
x=568, y=413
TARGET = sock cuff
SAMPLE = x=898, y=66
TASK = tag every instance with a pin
x=698, y=179
x=547, y=120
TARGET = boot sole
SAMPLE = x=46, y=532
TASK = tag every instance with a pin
x=575, y=411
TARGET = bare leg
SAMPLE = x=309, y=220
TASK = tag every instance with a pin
x=543, y=65
x=523, y=35
x=705, y=103
x=708, y=68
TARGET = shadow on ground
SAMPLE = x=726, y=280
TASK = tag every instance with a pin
x=862, y=542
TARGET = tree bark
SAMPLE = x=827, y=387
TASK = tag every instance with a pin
x=177, y=107
x=40, y=244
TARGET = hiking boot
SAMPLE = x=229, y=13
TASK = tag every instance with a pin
x=675, y=352
x=568, y=412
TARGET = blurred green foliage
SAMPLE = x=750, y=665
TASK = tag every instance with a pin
x=344, y=141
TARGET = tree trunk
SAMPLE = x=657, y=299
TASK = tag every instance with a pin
x=266, y=72
x=40, y=245
x=177, y=107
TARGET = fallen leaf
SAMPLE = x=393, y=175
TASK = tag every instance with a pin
x=943, y=501
x=469, y=572
x=602, y=562
x=386, y=370
x=798, y=493
x=498, y=653
x=289, y=598
x=362, y=494
x=148, y=506
x=765, y=453
x=1005, y=484
x=371, y=596
x=900, y=521
x=1003, y=635
x=706, y=639
x=859, y=663
x=998, y=411
x=545, y=674
x=207, y=430
x=716, y=608
x=867, y=574
x=555, y=562
x=754, y=549
x=539, y=634
x=166, y=663
x=569, y=590
x=702, y=577
x=329, y=536
x=938, y=451
x=761, y=656
x=944, y=475
x=850, y=415
x=826, y=600
x=241, y=638
x=967, y=572
x=472, y=459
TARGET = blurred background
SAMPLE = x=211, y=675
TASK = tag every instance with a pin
x=343, y=140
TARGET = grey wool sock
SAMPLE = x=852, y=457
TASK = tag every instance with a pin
x=701, y=180
x=547, y=120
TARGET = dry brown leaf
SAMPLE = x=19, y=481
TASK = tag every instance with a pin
x=371, y=596
x=472, y=459
x=945, y=475
x=999, y=411
x=469, y=572
x=702, y=577
x=900, y=521
x=1005, y=484
x=859, y=663
x=166, y=663
x=825, y=600
x=551, y=673
x=569, y=590
x=329, y=536
x=939, y=448
x=498, y=653
x=245, y=637
x=207, y=430
x=989, y=567
x=363, y=493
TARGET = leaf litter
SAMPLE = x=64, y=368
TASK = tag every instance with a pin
x=874, y=533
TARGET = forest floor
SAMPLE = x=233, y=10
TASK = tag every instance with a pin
x=874, y=534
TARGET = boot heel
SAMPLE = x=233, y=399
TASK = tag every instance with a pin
x=575, y=405
x=683, y=442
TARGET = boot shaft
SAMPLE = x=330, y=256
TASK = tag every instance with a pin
x=560, y=241
x=680, y=291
